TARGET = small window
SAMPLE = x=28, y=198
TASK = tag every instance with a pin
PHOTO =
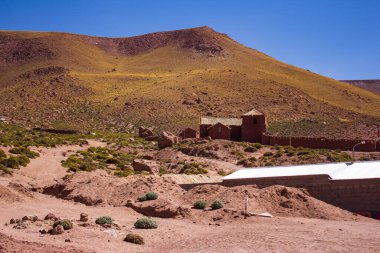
x=254, y=121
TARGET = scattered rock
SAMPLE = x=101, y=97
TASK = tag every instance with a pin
x=166, y=139
x=44, y=231
x=21, y=225
x=50, y=216
x=83, y=217
x=145, y=132
x=58, y=230
x=32, y=218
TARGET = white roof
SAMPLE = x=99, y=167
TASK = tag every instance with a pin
x=224, y=121
x=336, y=171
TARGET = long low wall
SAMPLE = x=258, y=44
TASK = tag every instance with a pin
x=361, y=195
x=310, y=142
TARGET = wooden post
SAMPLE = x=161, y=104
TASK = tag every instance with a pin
x=245, y=204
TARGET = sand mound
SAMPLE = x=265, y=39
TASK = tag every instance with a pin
x=98, y=187
x=278, y=200
x=8, y=244
x=14, y=192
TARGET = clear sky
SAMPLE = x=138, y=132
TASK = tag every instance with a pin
x=336, y=38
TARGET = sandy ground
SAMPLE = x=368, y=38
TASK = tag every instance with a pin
x=278, y=234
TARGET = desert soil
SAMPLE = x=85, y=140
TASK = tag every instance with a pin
x=306, y=225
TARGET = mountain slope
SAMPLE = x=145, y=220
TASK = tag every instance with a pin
x=167, y=80
x=371, y=85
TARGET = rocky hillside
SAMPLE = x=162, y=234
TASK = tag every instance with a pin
x=167, y=80
x=371, y=85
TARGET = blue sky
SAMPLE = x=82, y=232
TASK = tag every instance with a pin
x=336, y=38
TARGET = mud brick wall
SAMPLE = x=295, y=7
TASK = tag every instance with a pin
x=252, y=128
x=309, y=142
x=353, y=195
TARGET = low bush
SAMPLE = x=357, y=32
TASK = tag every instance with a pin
x=200, y=204
x=151, y=196
x=24, y=151
x=163, y=171
x=104, y=220
x=66, y=224
x=268, y=153
x=145, y=223
x=124, y=173
x=14, y=162
x=133, y=238
x=250, y=149
x=217, y=204
x=142, y=198
x=148, y=196
x=4, y=170
x=2, y=154
x=257, y=145
x=193, y=168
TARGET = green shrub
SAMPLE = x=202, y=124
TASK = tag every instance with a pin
x=257, y=145
x=279, y=154
x=5, y=170
x=268, y=153
x=193, y=168
x=104, y=220
x=247, y=162
x=124, y=173
x=163, y=171
x=2, y=154
x=142, y=198
x=14, y=162
x=217, y=204
x=133, y=238
x=66, y=224
x=24, y=151
x=340, y=157
x=250, y=149
x=222, y=173
x=151, y=196
x=200, y=204
x=145, y=223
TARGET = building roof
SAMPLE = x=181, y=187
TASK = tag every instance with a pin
x=336, y=171
x=252, y=112
x=224, y=121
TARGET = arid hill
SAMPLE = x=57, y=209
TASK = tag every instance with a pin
x=167, y=80
x=371, y=85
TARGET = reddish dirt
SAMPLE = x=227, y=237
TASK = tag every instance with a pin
x=223, y=230
x=8, y=244
x=99, y=188
x=277, y=200
x=201, y=40
x=14, y=50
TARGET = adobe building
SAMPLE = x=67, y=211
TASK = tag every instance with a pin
x=250, y=127
x=189, y=133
